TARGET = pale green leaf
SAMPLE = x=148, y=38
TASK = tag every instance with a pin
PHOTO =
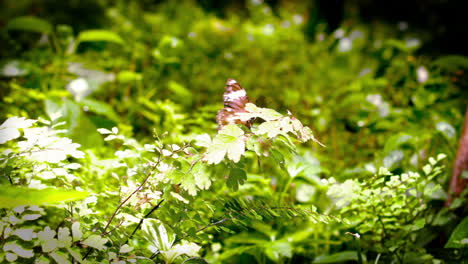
x=254, y=111
x=230, y=141
x=76, y=231
x=95, y=241
x=26, y=234
x=60, y=257
x=18, y=250
x=125, y=249
x=189, y=249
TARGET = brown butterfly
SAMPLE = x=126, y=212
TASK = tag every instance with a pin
x=235, y=98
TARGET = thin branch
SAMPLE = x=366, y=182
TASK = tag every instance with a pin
x=143, y=218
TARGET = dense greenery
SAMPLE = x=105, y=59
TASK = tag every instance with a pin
x=110, y=152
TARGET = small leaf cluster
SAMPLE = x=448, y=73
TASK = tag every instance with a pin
x=389, y=210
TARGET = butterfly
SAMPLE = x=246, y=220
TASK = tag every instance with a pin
x=235, y=98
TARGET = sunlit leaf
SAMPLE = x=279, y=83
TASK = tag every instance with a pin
x=156, y=233
x=99, y=35
x=12, y=196
x=228, y=141
x=95, y=241
x=18, y=250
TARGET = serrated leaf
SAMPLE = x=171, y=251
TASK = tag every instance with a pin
x=254, y=111
x=29, y=23
x=99, y=35
x=13, y=196
x=236, y=177
x=228, y=141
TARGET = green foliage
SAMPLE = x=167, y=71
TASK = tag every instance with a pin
x=459, y=237
x=125, y=112
x=389, y=210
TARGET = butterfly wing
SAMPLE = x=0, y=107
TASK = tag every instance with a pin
x=235, y=98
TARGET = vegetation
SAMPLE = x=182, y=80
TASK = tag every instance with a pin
x=110, y=153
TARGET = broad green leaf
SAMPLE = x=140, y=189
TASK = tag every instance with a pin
x=459, y=237
x=13, y=196
x=99, y=35
x=29, y=23
x=337, y=257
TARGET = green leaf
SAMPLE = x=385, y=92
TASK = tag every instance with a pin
x=99, y=108
x=195, y=260
x=459, y=235
x=129, y=77
x=18, y=249
x=99, y=35
x=236, y=177
x=156, y=233
x=13, y=196
x=228, y=141
x=60, y=257
x=29, y=23
x=337, y=257
x=263, y=113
